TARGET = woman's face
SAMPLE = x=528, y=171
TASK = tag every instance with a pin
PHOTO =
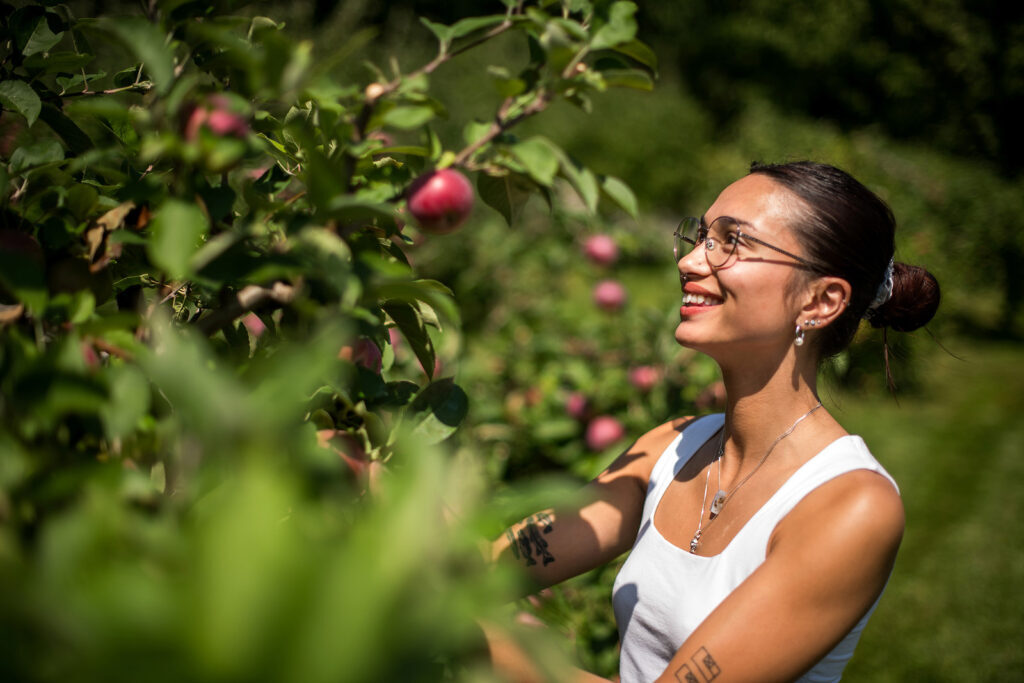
x=749, y=304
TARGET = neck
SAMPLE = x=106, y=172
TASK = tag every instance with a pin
x=763, y=402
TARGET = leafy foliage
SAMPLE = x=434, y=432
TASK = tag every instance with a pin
x=215, y=462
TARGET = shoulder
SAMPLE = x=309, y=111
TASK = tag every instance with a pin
x=639, y=459
x=859, y=512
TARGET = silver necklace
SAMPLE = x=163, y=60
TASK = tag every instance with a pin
x=721, y=498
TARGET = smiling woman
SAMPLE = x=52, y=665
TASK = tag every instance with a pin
x=760, y=539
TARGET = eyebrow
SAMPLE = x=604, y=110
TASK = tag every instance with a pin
x=704, y=222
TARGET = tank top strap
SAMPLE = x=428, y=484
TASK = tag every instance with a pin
x=845, y=454
x=676, y=455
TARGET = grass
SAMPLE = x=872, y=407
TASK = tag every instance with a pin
x=954, y=608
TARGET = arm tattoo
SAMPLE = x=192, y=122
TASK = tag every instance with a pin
x=704, y=664
x=529, y=543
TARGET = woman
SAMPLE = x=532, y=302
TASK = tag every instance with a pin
x=762, y=538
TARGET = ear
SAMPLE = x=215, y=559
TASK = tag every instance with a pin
x=827, y=298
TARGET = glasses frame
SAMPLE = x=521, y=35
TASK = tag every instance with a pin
x=702, y=237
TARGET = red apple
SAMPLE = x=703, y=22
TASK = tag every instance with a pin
x=440, y=201
x=644, y=377
x=215, y=114
x=576, y=405
x=363, y=352
x=603, y=431
x=252, y=322
x=609, y=295
x=601, y=249
x=347, y=447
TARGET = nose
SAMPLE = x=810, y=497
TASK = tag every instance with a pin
x=695, y=261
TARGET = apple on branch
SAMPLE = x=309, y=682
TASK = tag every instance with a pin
x=440, y=201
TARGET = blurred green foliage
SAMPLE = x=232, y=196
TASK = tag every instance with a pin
x=223, y=379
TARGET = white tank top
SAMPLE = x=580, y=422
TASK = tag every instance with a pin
x=663, y=592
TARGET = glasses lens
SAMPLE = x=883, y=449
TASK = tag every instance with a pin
x=687, y=236
x=722, y=241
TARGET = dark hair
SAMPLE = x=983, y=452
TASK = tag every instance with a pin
x=850, y=232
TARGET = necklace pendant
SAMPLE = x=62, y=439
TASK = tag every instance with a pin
x=695, y=541
x=718, y=503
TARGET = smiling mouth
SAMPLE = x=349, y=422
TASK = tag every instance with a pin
x=700, y=300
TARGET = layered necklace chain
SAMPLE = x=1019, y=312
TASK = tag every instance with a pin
x=721, y=497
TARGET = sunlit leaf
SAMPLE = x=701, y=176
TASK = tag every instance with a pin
x=620, y=27
x=177, y=231
x=408, y=118
x=464, y=27
x=443, y=33
x=628, y=78
x=128, y=403
x=538, y=158
x=620, y=193
x=640, y=52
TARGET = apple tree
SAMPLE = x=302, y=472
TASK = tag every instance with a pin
x=213, y=464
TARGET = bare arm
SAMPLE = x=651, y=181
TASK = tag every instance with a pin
x=827, y=562
x=561, y=542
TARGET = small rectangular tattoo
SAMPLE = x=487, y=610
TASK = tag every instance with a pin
x=706, y=664
x=685, y=675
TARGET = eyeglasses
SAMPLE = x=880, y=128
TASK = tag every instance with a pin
x=722, y=240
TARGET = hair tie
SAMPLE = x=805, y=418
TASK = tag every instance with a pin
x=884, y=292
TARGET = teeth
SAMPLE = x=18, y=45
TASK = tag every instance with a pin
x=698, y=299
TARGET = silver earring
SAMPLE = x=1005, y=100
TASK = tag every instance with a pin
x=812, y=323
x=799, y=341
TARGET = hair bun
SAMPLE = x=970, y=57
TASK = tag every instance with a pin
x=915, y=298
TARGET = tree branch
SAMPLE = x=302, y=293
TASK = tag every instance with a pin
x=502, y=124
x=248, y=298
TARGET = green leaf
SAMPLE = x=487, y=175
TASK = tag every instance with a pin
x=177, y=231
x=37, y=154
x=505, y=83
x=80, y=200
x=506, y=194
x=444, y=34
x=467, y=26
x=621, y=27
x=146, y=41
x=639, y=52
x=538, y=158
x=620, y=193
x=56, y=62
x=408, y=118
x=440, y=407
x=73, y=136
x=430, y=292
x=409, y=321
x=582, y=179
x=636, y=79
x=582, y=6
x=42, y=39
x=20, y=97
x=411, y=150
